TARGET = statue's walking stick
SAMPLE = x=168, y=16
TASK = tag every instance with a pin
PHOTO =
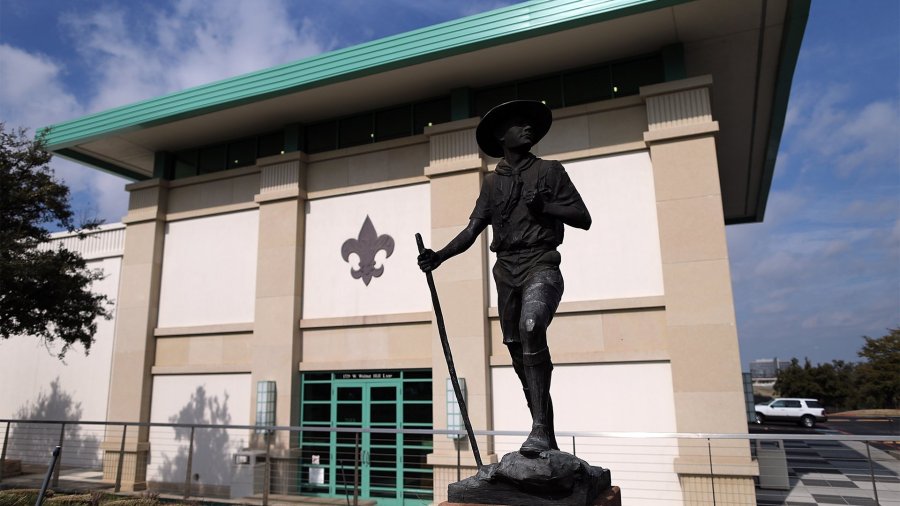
x=439, y=316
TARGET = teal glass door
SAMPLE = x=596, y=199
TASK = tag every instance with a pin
x=370, y=404
x=392, y=466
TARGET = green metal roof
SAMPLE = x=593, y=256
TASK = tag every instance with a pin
x=525, y=20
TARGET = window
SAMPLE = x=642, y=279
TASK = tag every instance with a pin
x=432, y=112
x=242, y=153
x=355, y=131
x=813, y=404
x=792, y=404
x=575, y=87
x=547, y=90
x=393, y=123
x=321, y=137
x=185, y=163
x=212, y=159
x=485, y=100
x=271, y=144
x=586, y=86
x=629, y=76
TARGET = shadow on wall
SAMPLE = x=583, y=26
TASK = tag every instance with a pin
x=32, y=443
x=211, y=462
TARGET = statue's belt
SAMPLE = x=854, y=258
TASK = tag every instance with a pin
x=525, y=251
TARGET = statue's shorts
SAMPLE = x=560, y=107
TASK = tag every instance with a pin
x=529, y=287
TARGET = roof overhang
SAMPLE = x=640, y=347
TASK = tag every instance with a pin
x=749, y=47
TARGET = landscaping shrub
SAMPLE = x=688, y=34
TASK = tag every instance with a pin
x=136, y=501
x=22, y=496
x=71, y=500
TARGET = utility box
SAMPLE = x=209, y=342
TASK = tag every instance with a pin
x=773, y=472
x=248, y=473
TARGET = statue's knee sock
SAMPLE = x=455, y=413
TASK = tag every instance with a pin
x=515, y=352
x=538, y=370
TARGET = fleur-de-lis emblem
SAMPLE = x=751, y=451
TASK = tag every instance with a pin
x=366, y=246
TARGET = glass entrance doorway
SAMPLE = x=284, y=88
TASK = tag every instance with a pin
x=392, y=467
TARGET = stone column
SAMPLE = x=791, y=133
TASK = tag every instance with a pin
x=455, y=170
x=137, y=308
x=700, y=322
x=279, y=282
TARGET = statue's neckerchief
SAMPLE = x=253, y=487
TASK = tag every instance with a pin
x=504, y=169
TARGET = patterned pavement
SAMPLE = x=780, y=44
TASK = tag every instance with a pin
x=835, y=472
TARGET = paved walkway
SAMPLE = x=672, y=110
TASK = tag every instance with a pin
x=835, y=472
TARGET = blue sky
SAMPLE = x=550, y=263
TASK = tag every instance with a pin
x=822, y=270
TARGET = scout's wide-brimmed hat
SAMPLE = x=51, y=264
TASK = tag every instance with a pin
x=537, y=113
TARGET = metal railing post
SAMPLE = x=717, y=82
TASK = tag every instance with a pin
x=3, y=452
x=573, y=447
x=712, y=479
x=190, y=464
x=53, y=459
x=266, y=471
x=458, y=460
x=62, y=435
x=121, y=460
x=341, y=464
x=356, y=471
x=872, y=472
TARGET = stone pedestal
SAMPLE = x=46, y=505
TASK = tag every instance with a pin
x=610, y=497
x=553, y=478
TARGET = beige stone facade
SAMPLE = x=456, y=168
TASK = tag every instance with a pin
x=690, y=326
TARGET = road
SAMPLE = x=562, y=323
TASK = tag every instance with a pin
x=876, y=426
x=864, y=426
x=882, y=426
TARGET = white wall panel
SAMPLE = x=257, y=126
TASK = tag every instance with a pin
x=216, y=399
x=589, y=398
x=37, y=385
x=209, y=270
x=82, y=381
x=619, y=256
x=329, y=290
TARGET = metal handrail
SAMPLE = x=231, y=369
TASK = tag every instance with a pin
x=376, y=430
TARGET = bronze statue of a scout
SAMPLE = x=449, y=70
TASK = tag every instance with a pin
x=527, y=201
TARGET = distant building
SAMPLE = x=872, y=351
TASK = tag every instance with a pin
x=766, y=368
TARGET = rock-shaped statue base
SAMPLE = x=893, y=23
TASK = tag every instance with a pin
x=554, y=478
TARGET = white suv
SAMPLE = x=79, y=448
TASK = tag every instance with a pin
x=804, y=411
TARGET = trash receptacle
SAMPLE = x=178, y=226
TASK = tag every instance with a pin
x=773, y=473
x=248, y=473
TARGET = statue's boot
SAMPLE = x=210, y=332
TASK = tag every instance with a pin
x=550, y=425
x=538, y=369
x=552, y=433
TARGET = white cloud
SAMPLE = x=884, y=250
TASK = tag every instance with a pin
x=872, y=136
x=139, y=53
x=32, y=93
x=136, y=56
x=822, y=268
x=833, y=131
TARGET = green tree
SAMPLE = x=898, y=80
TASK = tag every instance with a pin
x=836, y=384
x=879, y=376
x=796, y=380
x=45, y=293
x=832, y=384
